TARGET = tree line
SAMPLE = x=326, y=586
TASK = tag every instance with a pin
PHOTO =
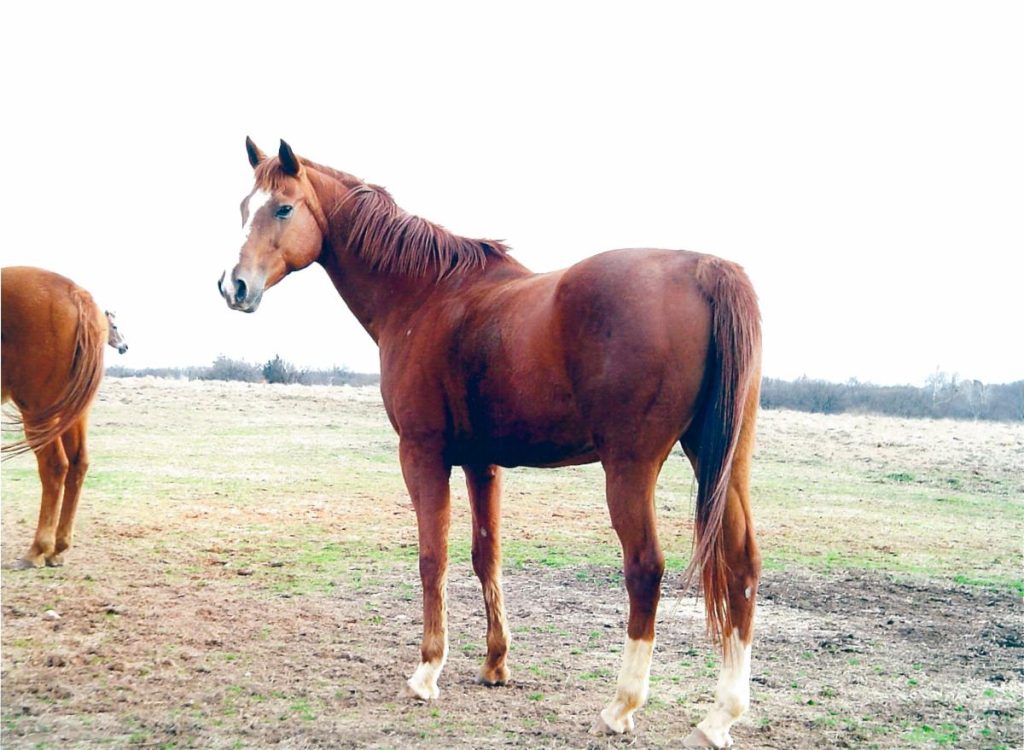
x=943, y=395
x=274, y=370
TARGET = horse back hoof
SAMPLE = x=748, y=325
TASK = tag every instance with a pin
x=697, y=738
x=22, y=563
x=57, y=561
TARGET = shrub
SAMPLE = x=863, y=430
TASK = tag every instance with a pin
x=225, y=368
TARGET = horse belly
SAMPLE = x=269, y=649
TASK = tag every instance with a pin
x=512, y=451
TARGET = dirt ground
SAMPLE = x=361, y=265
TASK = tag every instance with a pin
x=185, y=628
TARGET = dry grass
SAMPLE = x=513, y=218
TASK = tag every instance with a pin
x=244, y=576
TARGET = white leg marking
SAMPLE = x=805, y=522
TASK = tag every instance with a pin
x=631, y=692
x=733, y=693
x=423, y=683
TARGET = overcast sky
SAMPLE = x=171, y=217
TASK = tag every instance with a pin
x=863, y=161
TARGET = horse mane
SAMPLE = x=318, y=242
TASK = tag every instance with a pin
x=394, y=241
x=389, y=238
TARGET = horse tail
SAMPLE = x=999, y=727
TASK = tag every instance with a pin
x=732, y=369
x=86, y=372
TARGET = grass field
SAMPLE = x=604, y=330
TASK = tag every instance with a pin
x=244, y=576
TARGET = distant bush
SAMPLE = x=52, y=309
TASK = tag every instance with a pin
x=278, y=370
x=225, y=368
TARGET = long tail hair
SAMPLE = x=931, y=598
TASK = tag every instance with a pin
x=84, y=378
x=733, y=363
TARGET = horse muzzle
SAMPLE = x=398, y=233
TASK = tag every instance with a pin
x=239, y=293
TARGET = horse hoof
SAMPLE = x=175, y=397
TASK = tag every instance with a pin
x=602, y=727
x=57, y=561
x=493, y=677
x=22, y=564
x=408, y=692
x=697, y=738
x=481, y=680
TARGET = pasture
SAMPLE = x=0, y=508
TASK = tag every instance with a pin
x=244, y=576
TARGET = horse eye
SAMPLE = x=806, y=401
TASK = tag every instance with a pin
x=283, y=212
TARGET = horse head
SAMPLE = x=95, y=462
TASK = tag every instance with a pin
x=283, y=228
x=114, y=337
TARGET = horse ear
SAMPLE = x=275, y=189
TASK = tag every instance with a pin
x=289, y=161
x=255, y=155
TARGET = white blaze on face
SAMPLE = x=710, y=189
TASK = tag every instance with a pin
x=733, y=693
x=631, y=692
x=253, y=204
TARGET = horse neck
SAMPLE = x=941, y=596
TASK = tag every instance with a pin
x=377, y=299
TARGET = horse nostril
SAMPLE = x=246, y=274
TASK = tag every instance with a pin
x=240, y=291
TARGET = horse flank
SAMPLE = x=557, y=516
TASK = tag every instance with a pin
x=83, y=383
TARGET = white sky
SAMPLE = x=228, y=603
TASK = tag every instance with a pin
x=864, y=161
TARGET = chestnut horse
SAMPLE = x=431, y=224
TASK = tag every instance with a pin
x=485, y=364
x=53, y=338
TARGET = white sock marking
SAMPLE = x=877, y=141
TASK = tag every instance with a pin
x=423, y=682
x=732, y=695
x=631, y=692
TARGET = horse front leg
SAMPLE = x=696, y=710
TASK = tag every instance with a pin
x=484, y=484
x=426, y=476
x=630, y=489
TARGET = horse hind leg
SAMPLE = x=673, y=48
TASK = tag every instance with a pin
x=484, y=484
x=74, y=441
x=53, y=468
x=743, y=565
x=630, y=490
